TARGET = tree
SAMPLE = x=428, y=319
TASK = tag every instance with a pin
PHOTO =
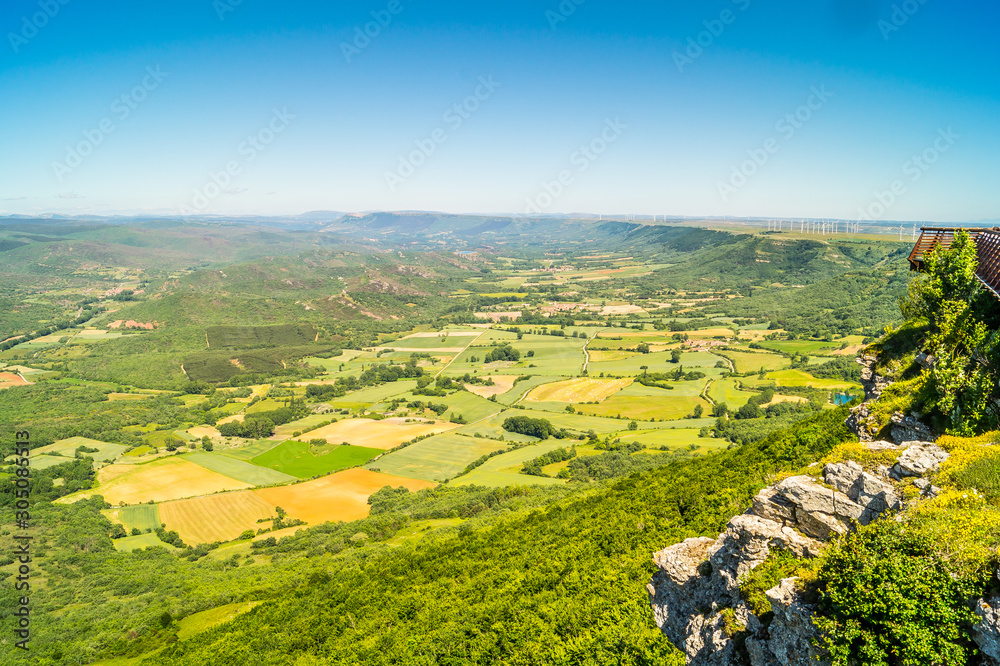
x=675, y=356
x=642, y=348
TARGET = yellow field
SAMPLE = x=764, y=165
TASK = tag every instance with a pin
x=786, y=398
x=203, y=431
x=340, y=496
x=220, y=517
x=160, y=481
x=581, y=389
x=599, y=356
x=501, y=384
x=387, y=434
x=230, y=419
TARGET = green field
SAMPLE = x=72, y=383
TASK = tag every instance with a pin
x=655, y=362
x=139, y=516
x=502, y=470
x=794, y=378
x=303, y=425
x=370, y=396
x=559, y=356
x=645, y=408
x=436, y=458
x=67, y=448
x=809, y=347
x=197, y=623
x=469, y=405
x=296, y=458
x=247, y=453
x=130, y=543
x=724, y=390
x=522, y=387
x=750, y=362
x=238, y=469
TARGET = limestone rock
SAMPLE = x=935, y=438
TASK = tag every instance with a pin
x=919, y=458
x=819, y=512
x=679, y=590
x=986, y=634
x=789, y=639
x=910, y=428
x=861, y=423
x=772, y=506
x=875, y=495
x=880, y=445
x=874, y=383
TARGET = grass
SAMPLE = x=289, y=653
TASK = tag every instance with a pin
x=558, y=356
x=724, y=390
x=67, y=448
x=436, y=458
x=644, y=408
x=140, y=516
x=201, y=622
x=749, y=362
x=502, y=470
x=370, y=396
x=130, y=543
x=385, y=434
x=221, y=517
x=299, y=459
x=793, y=378
x=250, y=452
x=676, y=439
x=238, y=469
x=302, y=425
x=656, y=362
x=342, y=496
x=160, y=480
x=809, y=347
x=522, y=388
x=581, y=389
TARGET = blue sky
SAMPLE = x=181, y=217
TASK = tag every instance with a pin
x=799, y=109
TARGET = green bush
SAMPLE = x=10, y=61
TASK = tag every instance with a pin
x=887, y=599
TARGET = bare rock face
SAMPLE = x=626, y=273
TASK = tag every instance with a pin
x=789, y=638
x=872, y=493
x=987, y=633
x=699, y=578
x=909, y=429
x=819, y=512
x=880, y=445
x=874, y=383
x=919, y=458
x=861, y=423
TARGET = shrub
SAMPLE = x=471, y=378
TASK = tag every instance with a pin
x=886, y=599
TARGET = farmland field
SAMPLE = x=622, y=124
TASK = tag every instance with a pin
x=303, y=425
x=644, y=408
x=219, y=517
x=140, y=542
x=386, y=434
x=340, y=496
x=68, y=447
x=238, y=469
x=295, y=458
x=750, y=362
x=197, y=623
x=160, y=481
x=798, y=378
x=725, y=390
x=502, y=470
x=139, y=516
x=582, y=389
x=377, y=393
x=812, y=347
x=436, y=458
x=252, y=451
x=501, y=384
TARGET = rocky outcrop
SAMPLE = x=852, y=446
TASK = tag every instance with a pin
x=790, y=638
x=987, y=632
x=695, y=595
x=873, y=383
x=909, y=429
x=919, y=458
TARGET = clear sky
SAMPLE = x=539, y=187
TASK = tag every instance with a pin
x=715, y=107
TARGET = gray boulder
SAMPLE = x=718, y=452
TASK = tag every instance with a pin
x=919, y=458
x=874, y=494
x=789, y=639
x=986, y=634
x=819, y=512
x=910, y=428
